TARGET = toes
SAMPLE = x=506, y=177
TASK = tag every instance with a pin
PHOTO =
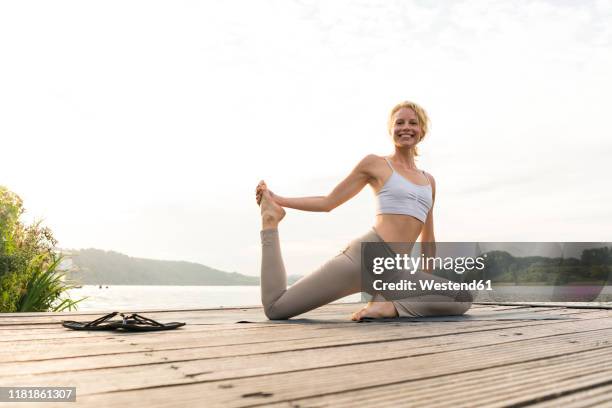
x=262, y=195
x=357, y=315
x=260, y=189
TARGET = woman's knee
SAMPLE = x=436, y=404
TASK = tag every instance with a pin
x=463, y=302
x=275, y=313
x=461, y=308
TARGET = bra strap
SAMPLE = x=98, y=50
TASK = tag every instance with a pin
x=427, y=177
x=389, y=163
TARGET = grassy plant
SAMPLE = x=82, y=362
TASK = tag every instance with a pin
x=29, y=277
x=46, y=289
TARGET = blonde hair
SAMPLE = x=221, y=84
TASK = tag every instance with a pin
x=421, y=115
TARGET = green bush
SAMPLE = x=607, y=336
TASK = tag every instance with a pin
x=45, y=289
x=29, y=279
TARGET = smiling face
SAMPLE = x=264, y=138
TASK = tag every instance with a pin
x=406, y=128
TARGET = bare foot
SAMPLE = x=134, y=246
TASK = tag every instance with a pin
x=260, y=189
x=376, y=310
x=271, y=213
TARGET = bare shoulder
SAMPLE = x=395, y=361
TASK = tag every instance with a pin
x=374, y=160
x=371, y=159
x=370, y=163
x=430, y=177
x=375, y=169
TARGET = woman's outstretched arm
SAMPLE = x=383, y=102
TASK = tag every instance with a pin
x=347, y=189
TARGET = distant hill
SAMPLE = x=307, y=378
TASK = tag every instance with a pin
x=97, y=267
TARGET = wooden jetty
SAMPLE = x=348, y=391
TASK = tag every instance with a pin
x=496, y=355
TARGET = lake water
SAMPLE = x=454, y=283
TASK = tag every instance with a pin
x=128, y=297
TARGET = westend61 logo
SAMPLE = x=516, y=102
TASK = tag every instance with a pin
x=494, y=271
x=412, y=264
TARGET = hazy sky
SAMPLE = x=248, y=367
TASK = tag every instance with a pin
x=144, y=126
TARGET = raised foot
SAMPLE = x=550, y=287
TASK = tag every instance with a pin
x=375, y=310
x=271, y=213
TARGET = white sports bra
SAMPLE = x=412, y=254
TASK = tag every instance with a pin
x=401, y=196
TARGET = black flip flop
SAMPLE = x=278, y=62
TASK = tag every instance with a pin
x=136, y=322
x=103, y=323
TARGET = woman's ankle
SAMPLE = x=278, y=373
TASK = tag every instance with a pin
x=268, y=223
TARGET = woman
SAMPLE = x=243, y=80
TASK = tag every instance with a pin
x=406, y=197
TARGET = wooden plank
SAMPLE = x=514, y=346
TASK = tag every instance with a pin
x=331, y=367
x=195, y=319
x=293, y=386
x=575, y=305
x=221, y=315
x=321, y=350
x=509, y=385
x=247, y=332
x=392, y=342
x=17, y=328
x=105, y=344
x=592, y=397
x=93, y=336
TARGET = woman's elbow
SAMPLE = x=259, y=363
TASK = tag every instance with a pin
x=328, y=205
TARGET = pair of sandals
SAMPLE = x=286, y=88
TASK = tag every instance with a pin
x=129, y=322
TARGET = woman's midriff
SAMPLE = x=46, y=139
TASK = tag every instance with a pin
x=398, y=228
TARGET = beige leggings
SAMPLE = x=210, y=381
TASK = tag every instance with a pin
x=337, y=278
